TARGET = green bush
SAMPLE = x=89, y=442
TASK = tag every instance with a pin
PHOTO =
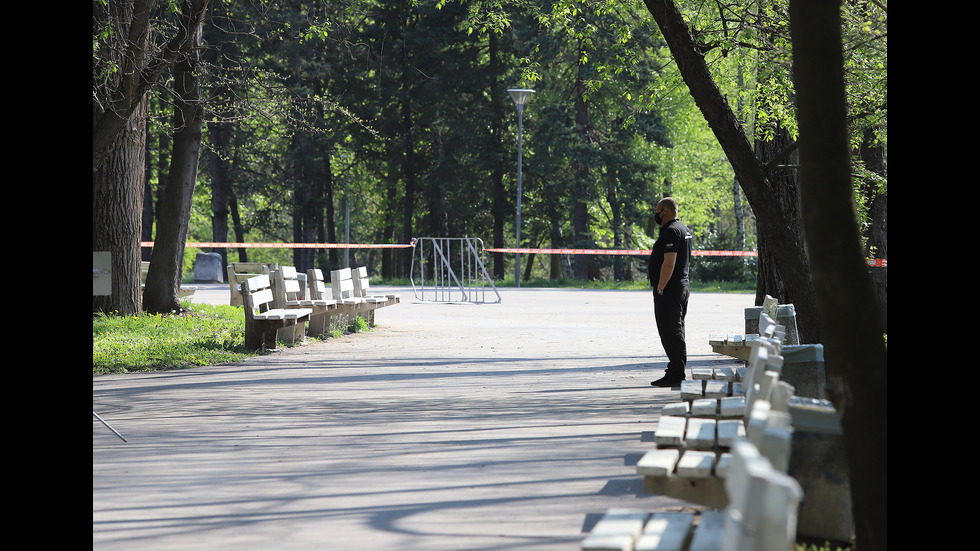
x=741, y=269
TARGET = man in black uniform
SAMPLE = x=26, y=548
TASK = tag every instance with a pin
x=669, y=264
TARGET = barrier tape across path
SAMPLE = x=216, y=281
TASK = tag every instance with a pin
x=223, y=245
x=873, y=262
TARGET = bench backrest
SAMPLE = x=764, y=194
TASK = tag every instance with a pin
x=767, y=398
x=318, y=288
x=341, y=283
x=257, y=295
x=763, y=502
x=285, y=286
x=361, y=283
x=238, y=272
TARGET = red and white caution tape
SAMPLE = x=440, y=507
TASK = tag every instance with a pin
x=222, y=245
x=873, y=262
x=618, y=252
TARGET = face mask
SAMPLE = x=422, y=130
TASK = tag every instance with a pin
x=657, y=218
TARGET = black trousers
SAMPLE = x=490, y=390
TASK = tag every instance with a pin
x=669, y=310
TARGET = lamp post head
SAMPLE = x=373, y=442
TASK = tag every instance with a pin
x=520, y=96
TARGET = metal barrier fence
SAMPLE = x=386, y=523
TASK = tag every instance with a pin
x=450, y=269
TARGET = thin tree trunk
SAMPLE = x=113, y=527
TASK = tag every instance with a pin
x=496, y=142
x=408, y=212
x=166, y=264
x=218, y=164
x=580, y=214
x=147, y=222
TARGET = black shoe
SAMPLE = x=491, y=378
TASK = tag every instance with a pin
x=668, y=381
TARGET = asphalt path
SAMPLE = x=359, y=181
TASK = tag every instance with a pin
x=494, y=426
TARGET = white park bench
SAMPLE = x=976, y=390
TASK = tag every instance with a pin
x=761, y=515
x=286, y=293
x=731, y=458
x=351, y=293
x=263, y=321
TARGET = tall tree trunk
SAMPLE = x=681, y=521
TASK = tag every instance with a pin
x=783, y=231
x=119, y=113
x=853, y=337
x=166, y=264
x=117, y=204
x=785, y=191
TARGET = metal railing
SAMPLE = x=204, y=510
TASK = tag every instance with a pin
x=450, y=269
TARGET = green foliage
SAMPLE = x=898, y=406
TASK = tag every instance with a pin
x=403, y=112
x=205, y=335
x=724, y=269
x=344, y=324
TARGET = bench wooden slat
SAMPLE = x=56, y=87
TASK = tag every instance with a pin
x=710, y=534
x=691, y=390
x=677, y=409
x=696, y=464
x=284, y=314
x=665, y=531
x=731, y=406
x=716, y=389
x=703, y=407
x=616, y=531
x=724, y=373
x=728, y=430
x=659, y=462
x=701, y=373
x=670, y=431
x=700, y=433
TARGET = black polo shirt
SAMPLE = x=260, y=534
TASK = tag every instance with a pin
x=674, y=238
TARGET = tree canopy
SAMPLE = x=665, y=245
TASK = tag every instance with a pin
x=400, y=110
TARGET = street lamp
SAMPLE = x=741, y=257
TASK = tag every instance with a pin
x=520, y=96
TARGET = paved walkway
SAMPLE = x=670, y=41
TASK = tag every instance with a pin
x=507, y=426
